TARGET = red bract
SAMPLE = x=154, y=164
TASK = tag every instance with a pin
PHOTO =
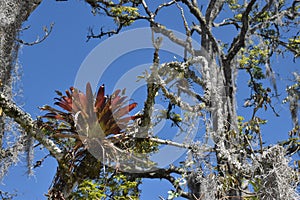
x=110, y=113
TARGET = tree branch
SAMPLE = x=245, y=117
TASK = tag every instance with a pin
x=226, y=22
x=239, y=41
x=165, y=174
x=28, y=124
x=163, y=5
x=213, y=10
x=38, y=40
x=158, y=28
x=205, y=29
x=103, y=33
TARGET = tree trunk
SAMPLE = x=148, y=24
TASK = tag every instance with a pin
x=12, y=14
x=220, y=77
x=69, y=175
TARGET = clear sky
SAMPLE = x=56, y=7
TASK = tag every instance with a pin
x=53, y=64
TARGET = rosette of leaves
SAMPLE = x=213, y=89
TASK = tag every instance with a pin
x=85, y=117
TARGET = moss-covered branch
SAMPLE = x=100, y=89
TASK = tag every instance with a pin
x=28, y=124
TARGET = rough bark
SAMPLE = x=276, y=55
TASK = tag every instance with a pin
x=12, y=14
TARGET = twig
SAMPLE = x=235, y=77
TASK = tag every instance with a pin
x=187, y=33
x=37, y=41
x=120, y=25
x=104, y=33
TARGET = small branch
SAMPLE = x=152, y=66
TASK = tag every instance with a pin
x=188, y=32
x=28, y=124
x=39, y=162
x=226, y=22
x=104, y=33
x=188, y=73
x=176, y=100
x=263, y=10
x=120, y=25
x=185, y=23
x=192, y=94
x=150, y=14
x=281, y=43
x=37, y=41
x=171, y=143
x=158, y=28
x=165, y=174
x=195, y=3
x=260, y=143
x=163, y=5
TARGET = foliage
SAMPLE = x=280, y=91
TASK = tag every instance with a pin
x=294, y=43
x=124, y=14
x=116, y=186
x=6, y=195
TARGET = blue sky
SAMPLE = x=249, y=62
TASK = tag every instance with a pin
x=53, y=64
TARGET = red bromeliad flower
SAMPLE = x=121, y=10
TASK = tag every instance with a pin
x=109, y=114
x=84, y=125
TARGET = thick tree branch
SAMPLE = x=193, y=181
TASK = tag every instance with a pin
x=213, y=10
x=239, y=41
x=28, y=124
x=205, y=28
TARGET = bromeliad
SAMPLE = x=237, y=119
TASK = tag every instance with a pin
x=88, y=115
